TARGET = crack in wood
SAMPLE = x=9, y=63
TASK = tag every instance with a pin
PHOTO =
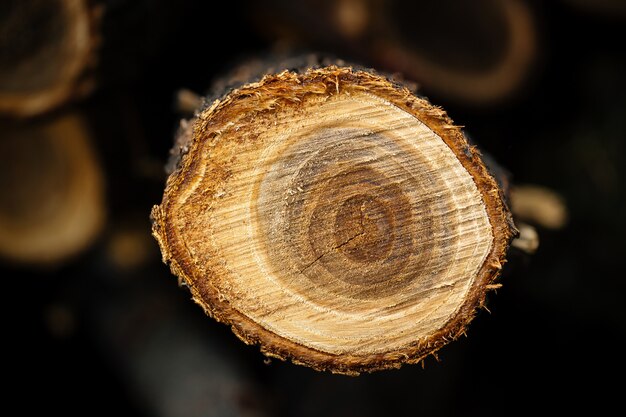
x=361, y=233
x=332, y=249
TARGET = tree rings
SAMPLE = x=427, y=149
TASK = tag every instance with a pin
x=334, y=218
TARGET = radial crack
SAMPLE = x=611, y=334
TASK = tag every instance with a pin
x=361, y=233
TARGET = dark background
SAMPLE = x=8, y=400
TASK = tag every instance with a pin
x=93, y=337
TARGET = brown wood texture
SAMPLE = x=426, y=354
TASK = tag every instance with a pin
x=52, y=201
x=47, y=53
x=333, y=218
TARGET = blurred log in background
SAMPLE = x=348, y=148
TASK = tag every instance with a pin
x=540, y=85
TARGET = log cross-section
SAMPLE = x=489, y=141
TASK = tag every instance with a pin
x=334, y=218
x=47, y=53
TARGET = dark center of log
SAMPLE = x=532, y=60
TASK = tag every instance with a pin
x=364, y=228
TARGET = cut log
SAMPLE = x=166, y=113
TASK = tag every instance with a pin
x=52, y=200
x=538, y=205
x=474, y=53
x=477, y=52
x=334, y=218
x=57, y=51
x=46, y=52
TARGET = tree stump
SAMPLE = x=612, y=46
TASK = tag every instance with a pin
x=334, y=218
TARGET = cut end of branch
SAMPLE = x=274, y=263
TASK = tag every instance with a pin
x=52, y=201
x=43, y=68
x=335, y=219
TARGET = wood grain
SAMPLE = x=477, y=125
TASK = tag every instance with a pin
x=334, y=218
